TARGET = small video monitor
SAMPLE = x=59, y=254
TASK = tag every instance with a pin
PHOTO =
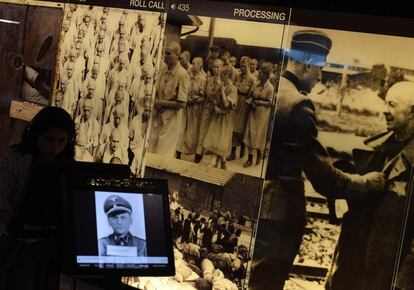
x=41, y=211
x=116, y=226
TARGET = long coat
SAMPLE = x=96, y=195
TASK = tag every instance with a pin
x=294, y=150
x=372, y=230
x=258, y=118
x=220, y=129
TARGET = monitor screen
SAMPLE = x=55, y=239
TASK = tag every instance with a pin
x=42, y=206
x=117, y=225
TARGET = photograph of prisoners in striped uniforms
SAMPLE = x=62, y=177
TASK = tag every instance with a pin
x=108, y=59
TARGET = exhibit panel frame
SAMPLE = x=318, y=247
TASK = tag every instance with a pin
x=212, y=190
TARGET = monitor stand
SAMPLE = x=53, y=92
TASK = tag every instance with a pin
x=107, y=282
x=113, y=282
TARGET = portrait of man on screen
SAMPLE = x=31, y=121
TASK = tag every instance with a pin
x=120, y=242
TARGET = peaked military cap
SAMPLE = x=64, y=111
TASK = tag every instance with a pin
x=116, y=204
x=310, y=46
x=312, y=41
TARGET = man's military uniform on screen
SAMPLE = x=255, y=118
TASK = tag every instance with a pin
x=116, y=205
x=129, y=240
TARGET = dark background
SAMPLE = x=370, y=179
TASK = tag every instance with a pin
x=393, y=18
x=384, y=8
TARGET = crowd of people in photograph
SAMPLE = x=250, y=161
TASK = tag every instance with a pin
x=208, y=244
x=211, y=106
x=107, y=65
x=108, y=59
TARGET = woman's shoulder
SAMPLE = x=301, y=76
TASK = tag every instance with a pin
x=14, y=158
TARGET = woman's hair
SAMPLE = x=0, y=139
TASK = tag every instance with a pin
x=46, y=119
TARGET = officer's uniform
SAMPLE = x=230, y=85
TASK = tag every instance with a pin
x=113, y=206
x=128, y=240
x=295, y=149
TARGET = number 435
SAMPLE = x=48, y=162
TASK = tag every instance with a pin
x=183, y=7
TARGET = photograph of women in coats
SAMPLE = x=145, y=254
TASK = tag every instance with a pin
x=259, y=113
x=220, y=128
x=203, y=139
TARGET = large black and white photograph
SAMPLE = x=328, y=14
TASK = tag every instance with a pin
x=29, y=37
x=215, y=92
x=334, y=209
x=108, y=60
x=120, y=224
x=213, y=219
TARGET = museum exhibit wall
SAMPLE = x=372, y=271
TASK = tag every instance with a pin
x=105, y=62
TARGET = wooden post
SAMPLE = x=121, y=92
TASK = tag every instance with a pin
x=342, y=92
x=211, y=33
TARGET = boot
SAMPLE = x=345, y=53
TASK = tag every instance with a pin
x=232, y=155
x=242, y=150
x=259, y=157
x=197, y=158
x=249, y=161
x=178, y=154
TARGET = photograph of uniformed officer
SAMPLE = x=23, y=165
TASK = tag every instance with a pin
x=340, y=105
x=119, y=210
x=295, y=151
